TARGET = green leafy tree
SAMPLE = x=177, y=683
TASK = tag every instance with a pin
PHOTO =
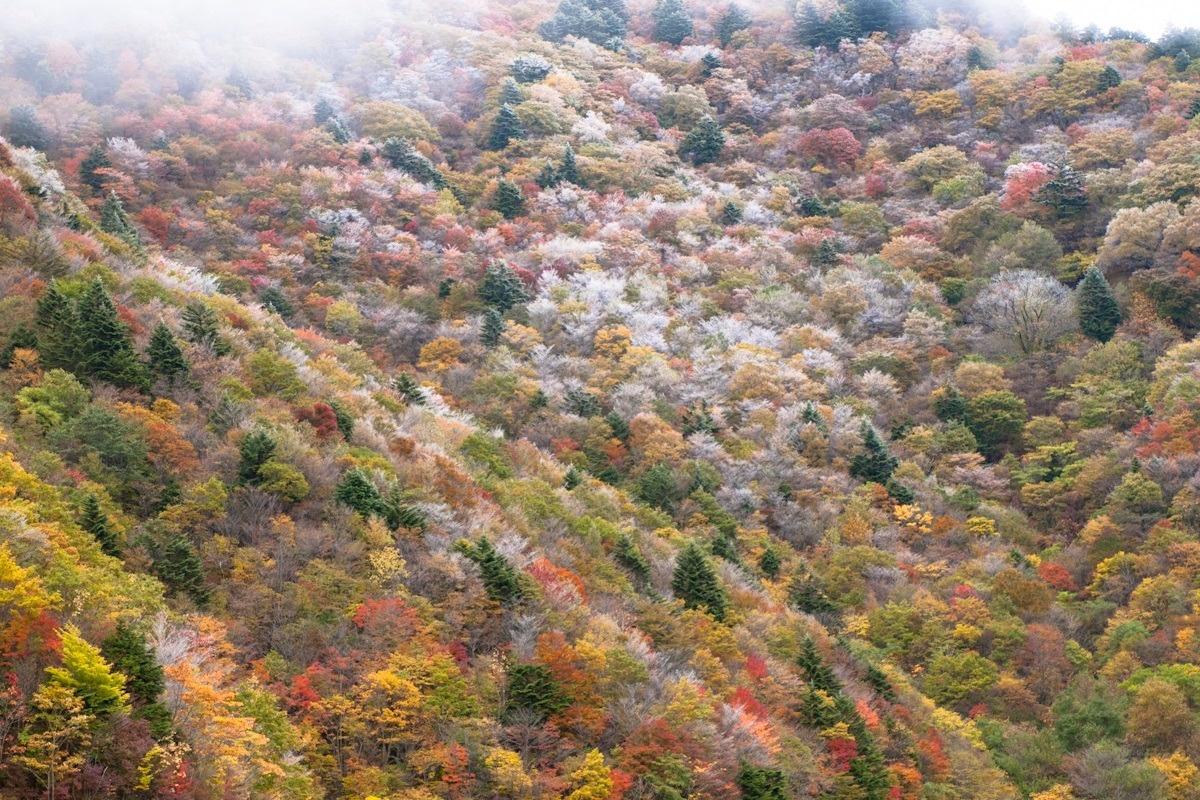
x=164, y=356
x=95, y=522
x=492, y=328
x=96, y=159
x=733, y=20
x=957, y=677
x=1099, y=314
x=508, y=201
x=997, y=418
x=55, y=741
x=85, y=672
x=695, y=582
x=506, y=127
x=501, y=288
x=704, y=142
x=672, y=22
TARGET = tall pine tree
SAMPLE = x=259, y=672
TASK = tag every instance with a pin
x=874, y=463
x=163, y=354
x=1099, y=314
x=506, y=127
x=695, y=582
x=105, y=348
x=115, y=221
x=95, y=522
x=96, y=159
x=492, y=328
x=58, y=339
x=508, y=201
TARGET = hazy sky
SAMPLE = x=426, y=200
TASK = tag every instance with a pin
x=1148, y=16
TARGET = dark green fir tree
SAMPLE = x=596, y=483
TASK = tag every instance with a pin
x=510, y=93
x=770, y=563
x=568, y=170
x=672, y=22
x=500, y=580
x=873, y=463
x=358, y=492
x=96, y=159
x=105, y=348
x=733, y=20
x=506, y=127
x=25, y=129
x=257, y=448
x=501, y=288
x=408, y=388
x=95, y=522
x=201, y=326
x=695, y=582
x=274, y=300
x=492, y=328
x=704, y=142
x=179, y=567
x=1099, y=314
x=508, y=201
x=115, y=221
x=164, y=356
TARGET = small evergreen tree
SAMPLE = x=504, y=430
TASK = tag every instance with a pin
x=115, y=221
x=950, y=404
x=660, y=488
x=568, y=170
x=500, y=580
x=128, y=651
x=26, y=130
x=877, y=15
x=508, y=201
x=180, y=569
x=501, y=288
x=338, y=130
x=1193, y=110
x=323, y=111
x=874, y=463
x=274, y=300
x=105, y=349
x=630, y=557
x=599, y=21
x=1109, y=79
x=200, y=326
x=770, y=562
x=257, y=448
x=163, y=354
x=96, y=159
x=1099, y=314
x=760, y=783
x=408, y=388
x=1064, y=195
x=22, y=338
x=58, y=342
x=695, y=582
x=506, y=127
x=1183, y=60
x=730, y=214
x=358, y=492
x=95, y=522
x=529, y=68
x=704, y=142
x=709, y=63
x=510, y=93
x=492, y=328
x=672, y=22
x=402, y=155
x=345, y=421
x=538, y=401
x=733, y=20
x=533, y=687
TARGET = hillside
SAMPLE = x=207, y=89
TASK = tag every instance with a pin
x=666, y=402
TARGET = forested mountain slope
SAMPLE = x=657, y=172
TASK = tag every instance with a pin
x=589, y=401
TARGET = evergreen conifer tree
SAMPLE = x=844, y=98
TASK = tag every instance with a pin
x=770, y=563
x=695, y=582
x=761, y=783
x=505, y=128
x=200, y=326
x=1193, y=110
x=358, y=492
x=1109, y=78
x=733, y=20
x=273, y=299
x=127, y=650
x=510, y=93
x=408, y=388
x=509, y=201
x=492, y=328
x=1099, y=314
x=105, y=349
x=257, y=448
x=164, y=355
x=950, y=404
x=323, y=111
x=114, y=220
x=704, y=142
x=500, y=580
x=23, y=338
x=26, y=130
x=533, y=687
x=501, y=288
x=97, y=158
x=1065, y=194
x=709, y=63
x=568, y=170
x=58, y=341
x=338, y=130
x=95, y=522
x=874, y=463
x=179, y=568
x=402, y=155
x=630, y=557
x=672, y=22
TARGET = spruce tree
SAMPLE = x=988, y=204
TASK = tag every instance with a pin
x=358, y=492
x=26, y=130
x=951, y=405
x=338, y=130
x=180, y=569
x=95, y=522
x=323, y=111
x=274, y=300
x=257, y=448
x=533, y=687
x=660, y=488
x=1193, y=110
x=200, y=326
x=501, y=288
x=506, y=127
x=703, y=142
x=105, y=347
x=127, y=650
x=733, y=20
x=492, y=328
x=402, y=155
x=1099, y=314
x=1183, y=60
x=568, y=170
x=873, y=463
x=115, y=221
x=761, y=783
x=1064, y=195
x=22, y=338
x=695, y=582
x=672, y=22
x=164, y=355
x=408, y=388
x=97, y=158
x=877, y=15
x=508, y=201
x=58, y=340
x=500, y=580
x=1109, y=79
x=770, y=563
x=709, y=63
x=510, y=93
x=630, y=557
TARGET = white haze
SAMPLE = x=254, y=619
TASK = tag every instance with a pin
x=1151, y=17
